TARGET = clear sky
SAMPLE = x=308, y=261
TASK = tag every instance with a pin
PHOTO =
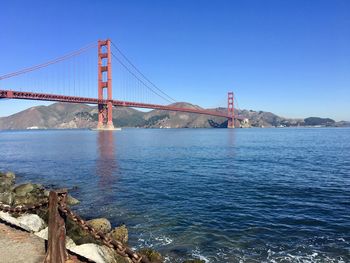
x=290, y=57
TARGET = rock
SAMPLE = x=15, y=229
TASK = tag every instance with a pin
x=7, y=180
x=29, y=199
x=78, y=235
x=43, y=233
x=120, y=233
x=152, y=255
x=29, y=194
x=69, y=242
x=23, y=189
x=100, y=224
x=28, y=222
x=12, y=220
x=11, y=176
x=32, y=222
x=72, y=201
x=96, y=253
x=7, y=198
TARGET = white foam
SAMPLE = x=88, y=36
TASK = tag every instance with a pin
x=196, y=253
x=164, y=240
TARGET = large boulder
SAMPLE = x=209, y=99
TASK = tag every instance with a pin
x=32, y=221
x=29, y=194
x=77, y=234
x=24, y=189
x=12, y=220
x=28, y=222
x=120, y=233
x=96, y=253
x=152, y=255
x=100, y=225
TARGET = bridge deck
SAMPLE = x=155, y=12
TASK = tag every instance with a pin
x=10, y=94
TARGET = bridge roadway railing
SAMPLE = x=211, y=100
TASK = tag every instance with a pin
x=58, y=212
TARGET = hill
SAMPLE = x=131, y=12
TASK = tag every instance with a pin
x=69, y=116
x=65, y=115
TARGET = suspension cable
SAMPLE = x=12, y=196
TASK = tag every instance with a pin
x=132, y=73
x=154, y=85
x=236, y=101
x=54, y=61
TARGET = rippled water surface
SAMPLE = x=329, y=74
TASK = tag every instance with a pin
x=243, y=195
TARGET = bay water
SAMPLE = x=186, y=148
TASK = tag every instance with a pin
x=222, y=195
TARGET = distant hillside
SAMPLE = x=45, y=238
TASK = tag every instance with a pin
x=312, y=121
x=268, y=119
x=65, y=115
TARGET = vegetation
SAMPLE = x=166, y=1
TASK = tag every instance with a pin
x=155, y=119
x=135, y=120
x=312, y=121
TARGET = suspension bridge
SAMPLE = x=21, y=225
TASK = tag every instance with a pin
x=73, y=78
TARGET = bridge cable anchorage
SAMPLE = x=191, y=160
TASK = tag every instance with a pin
x=139, y=79
x=54, y=61
x=138, y=71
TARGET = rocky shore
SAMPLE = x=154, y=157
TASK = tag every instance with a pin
x=78, y=241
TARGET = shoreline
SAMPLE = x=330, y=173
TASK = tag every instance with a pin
x=34, y=225
x=184, y=128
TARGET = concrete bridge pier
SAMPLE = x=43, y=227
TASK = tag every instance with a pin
x=231, y=124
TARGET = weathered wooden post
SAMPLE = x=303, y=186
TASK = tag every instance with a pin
x=56, y=249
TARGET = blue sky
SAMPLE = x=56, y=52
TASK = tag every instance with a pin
x=289, y=57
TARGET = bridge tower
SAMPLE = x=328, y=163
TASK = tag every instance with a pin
x=230, y=110
x=105, y=117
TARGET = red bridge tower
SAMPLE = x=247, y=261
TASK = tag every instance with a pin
x=230, y=110
x=105, y=120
